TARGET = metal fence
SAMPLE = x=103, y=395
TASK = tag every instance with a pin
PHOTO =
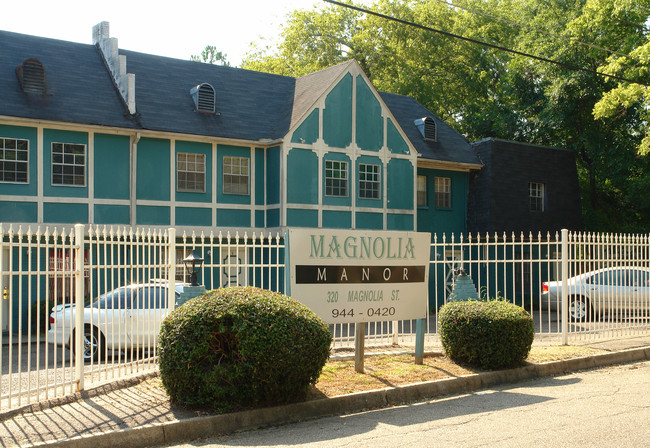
x=574, y=285
x=126, y=281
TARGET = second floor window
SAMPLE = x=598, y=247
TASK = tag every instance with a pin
x=536, y=197
x=369, y=181
x=14, y=160
x=422, y=191
x=190, y=172
x=69, y=164
x=336, y=178
x=443, y=192
x=235, y=175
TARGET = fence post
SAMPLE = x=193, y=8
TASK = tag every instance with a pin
x=565, y=286
x=171, y=269
x=79, y=304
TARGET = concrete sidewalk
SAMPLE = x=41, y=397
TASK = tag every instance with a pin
x=138, y=413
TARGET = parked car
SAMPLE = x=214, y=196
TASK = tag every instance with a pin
x=124, y=318
x=605, y=292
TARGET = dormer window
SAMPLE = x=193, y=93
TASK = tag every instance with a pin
x=31, y=75
x=204, y=98
x=427, y=127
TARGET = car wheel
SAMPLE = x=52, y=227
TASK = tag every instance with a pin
x=93, y=344
x=579, y=309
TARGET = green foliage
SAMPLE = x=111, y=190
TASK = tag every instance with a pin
x=489, y=335
x=484, y=92
x=210, y=55
x=241, y=346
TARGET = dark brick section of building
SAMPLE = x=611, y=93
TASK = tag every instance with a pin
x=499, y=196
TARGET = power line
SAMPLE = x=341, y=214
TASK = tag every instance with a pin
x=521, y=25
x=485, y=44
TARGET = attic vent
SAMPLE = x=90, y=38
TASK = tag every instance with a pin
x=31, y=75
x=427, y=127
x=204, y=98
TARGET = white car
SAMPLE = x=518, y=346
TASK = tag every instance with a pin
x=608, y=292
x=124, y=318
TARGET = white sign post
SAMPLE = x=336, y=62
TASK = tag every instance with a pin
x=352, y=276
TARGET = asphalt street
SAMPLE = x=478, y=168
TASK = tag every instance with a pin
x=598, y=408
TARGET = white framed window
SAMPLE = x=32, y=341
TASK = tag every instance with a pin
x=14, y=160
x=336, y=178
x=535, y=197
x=190, y=172
x=443, y=192
x=69, y=164
x=369, y=181
x=235, y=175
x=422, y=191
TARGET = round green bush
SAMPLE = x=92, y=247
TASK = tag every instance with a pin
x=489, y=335
x=241, y=346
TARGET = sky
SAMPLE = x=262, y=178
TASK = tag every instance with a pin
x=175, y=29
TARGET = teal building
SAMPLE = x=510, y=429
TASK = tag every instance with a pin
x=96, y=134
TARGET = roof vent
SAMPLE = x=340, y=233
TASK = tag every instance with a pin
x=31, y=74
x=204, y=98
x=427, y=127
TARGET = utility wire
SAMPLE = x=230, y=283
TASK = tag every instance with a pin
x=485, y=44
x=521, y=25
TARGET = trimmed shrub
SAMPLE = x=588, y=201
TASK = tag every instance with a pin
x=241, y=346
x=489, y=335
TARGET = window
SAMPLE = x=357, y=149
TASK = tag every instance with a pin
x=68, y=164
x=443, y=192
x=336, y=178
x=190, y=172
x=536, y=197
x=235, y=175
x=422, y=191
x=14, y=160
x=369, y=183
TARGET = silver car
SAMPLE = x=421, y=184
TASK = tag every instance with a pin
x=605, y=293
x=124, y=318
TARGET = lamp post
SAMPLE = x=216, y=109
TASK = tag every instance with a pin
x=190, y=264
x=193, y=289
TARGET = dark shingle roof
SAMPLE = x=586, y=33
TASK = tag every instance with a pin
x=79, y=88
x=250, y=105
x=450, y=146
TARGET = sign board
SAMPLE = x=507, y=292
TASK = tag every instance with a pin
x=360, y=276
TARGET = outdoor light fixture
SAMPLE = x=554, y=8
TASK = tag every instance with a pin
x=190, y=264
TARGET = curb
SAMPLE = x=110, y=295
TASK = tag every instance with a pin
x=210, y=426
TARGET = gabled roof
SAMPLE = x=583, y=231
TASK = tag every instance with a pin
x=310, y=87
x=250, y=105
x=79, y=89
x=450, y=146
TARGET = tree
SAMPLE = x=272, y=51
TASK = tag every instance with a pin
x=485, y=92
x=210, y=55
x=609, y=166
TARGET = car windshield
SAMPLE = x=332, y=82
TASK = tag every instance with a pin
x=120, y=298
x=133, y=297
